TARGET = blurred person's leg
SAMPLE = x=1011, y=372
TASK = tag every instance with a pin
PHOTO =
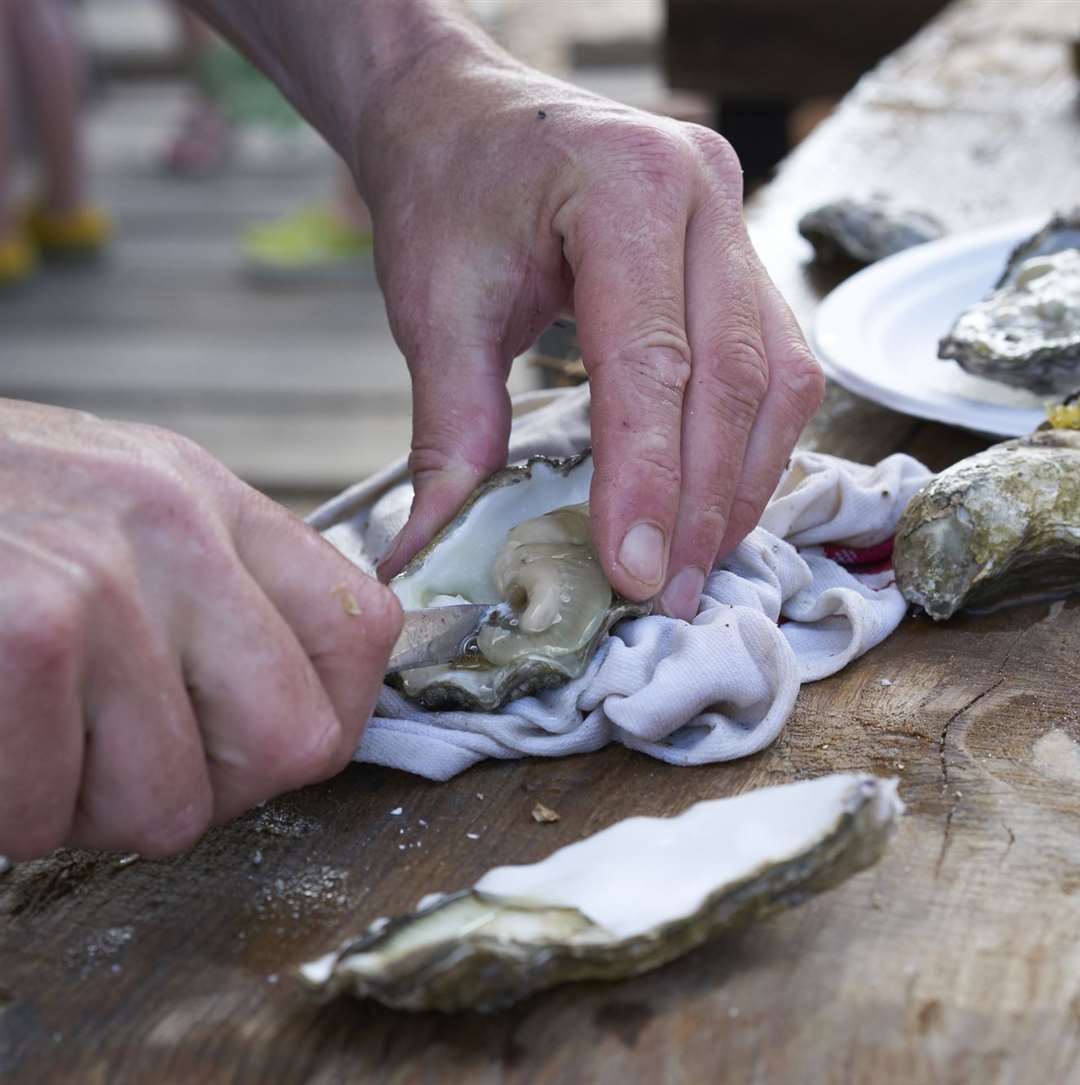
x=204, y=142
x=50, y=66
x=17, y=258
x=323, y=242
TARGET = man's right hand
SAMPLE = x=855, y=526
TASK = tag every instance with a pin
x=174, y=647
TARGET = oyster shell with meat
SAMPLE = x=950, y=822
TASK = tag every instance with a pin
x=1026, y=331
x=524, y=537
x=625, y=900
x=1000, y=527
x=865, y=231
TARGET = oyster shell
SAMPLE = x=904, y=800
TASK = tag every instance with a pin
x=525, y=537
x=1000, y=527
x=621, y=902
x=1026, y=332
x=865, y=231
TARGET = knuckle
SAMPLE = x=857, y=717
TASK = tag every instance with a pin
x=733, y=391
x=661, y=469
x=804, y=380
x=717, y=152
x=43, y=628
x=654, y=358
x=651, y=150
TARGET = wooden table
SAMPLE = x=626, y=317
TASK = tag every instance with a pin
x=956, y=959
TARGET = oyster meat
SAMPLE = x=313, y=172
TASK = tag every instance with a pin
x=865, y=231
x=525, y=538
x=1000, y=527
x=1026, y=332
x=621, y=902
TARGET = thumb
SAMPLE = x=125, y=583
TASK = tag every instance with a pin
x=461, y=428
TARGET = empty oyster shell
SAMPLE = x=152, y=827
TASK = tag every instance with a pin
x=1026, y=332
x=621, y=902
x=524, y=536
x=865, y=230
x=999, y=527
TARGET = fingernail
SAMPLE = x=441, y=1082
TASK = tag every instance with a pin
x=683, y=595
x=642, y=554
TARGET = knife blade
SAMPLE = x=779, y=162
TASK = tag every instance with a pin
x=438, y=635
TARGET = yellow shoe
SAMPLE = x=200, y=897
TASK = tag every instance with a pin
x=18, y=260
x=70, y=234
x=312, y=245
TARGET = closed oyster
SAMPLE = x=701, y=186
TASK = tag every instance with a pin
x=524, y=537
x=621, y=902
x=999, y=527
x=1026, y=332
x=865, y=231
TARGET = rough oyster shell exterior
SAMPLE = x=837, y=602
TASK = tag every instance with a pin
x=1014, y=339
x=865, y=231
x=1000, y=527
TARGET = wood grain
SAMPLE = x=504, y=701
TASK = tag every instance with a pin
x=956, y=959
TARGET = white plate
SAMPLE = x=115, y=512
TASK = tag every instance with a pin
x=877, y=333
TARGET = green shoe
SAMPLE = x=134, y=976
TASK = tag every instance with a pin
x=312, y=245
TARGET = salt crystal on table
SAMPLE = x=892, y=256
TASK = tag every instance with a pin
x=473, y=836
x=397, y=812
x=886, y=681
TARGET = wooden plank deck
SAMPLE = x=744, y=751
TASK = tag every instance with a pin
x=954, y=960
x=298, y=390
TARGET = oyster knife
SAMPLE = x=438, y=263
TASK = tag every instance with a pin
x=439, y=635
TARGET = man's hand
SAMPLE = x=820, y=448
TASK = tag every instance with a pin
x=174, y=647
x=502, y=198
x=511, y=198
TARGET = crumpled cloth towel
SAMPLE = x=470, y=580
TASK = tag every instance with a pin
x=774, y=614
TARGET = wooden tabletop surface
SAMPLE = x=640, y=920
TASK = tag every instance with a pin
x=956, y=959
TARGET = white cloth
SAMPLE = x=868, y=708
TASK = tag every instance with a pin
x=774, y=614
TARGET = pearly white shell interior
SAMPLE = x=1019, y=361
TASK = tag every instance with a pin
x=458, y=566
x=644, y=872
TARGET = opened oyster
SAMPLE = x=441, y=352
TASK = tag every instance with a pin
x=1026, y=332
x=865, y=231
x=621, y=902
x=999, y=527
x=525, y=538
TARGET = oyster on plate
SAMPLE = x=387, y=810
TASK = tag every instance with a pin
x=621, y=902
x=1026, y=331
x=524, y=537
x=1000, y=527
x=865, y=231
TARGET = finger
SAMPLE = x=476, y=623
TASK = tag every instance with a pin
x=627, y=261
x=346, y=622
x=796, y=389
x=267, y=723
x=41, y=726
x=729, y=380
x=461, y=427
x=145, y=784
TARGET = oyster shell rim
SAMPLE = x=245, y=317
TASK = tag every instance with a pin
x=485, y=974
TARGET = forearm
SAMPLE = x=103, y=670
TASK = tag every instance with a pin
x=339, y=61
